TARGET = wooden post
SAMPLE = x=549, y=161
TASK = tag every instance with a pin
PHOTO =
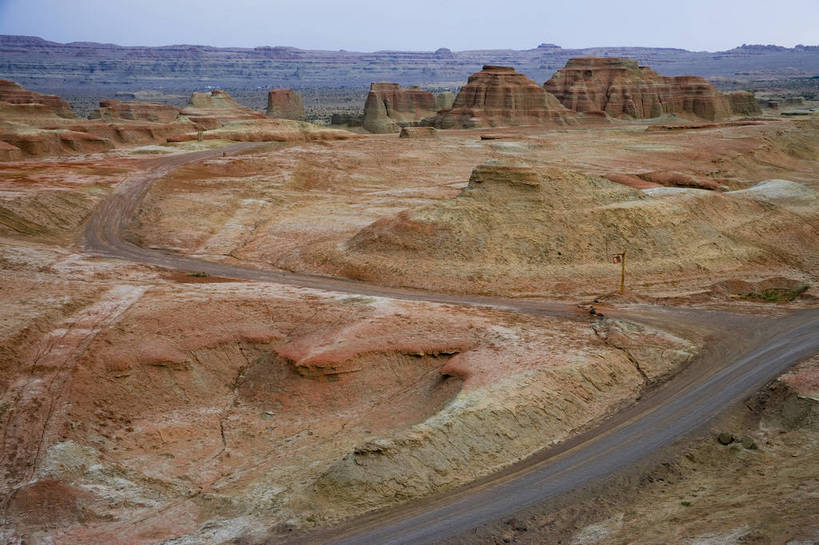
x=621, y=259
x=623, y=273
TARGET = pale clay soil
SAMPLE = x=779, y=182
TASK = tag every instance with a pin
x=140, y=405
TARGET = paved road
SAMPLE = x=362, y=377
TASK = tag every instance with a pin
x=750, y=355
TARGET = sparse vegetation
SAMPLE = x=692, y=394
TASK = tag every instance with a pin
x=776, y=295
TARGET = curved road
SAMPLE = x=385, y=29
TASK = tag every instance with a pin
x=753, y=352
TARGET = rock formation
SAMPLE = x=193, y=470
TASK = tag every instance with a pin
x=444, y=100
x=389, y=107
x=211, y=110
x=660, y=178
x=15, y=94
x=744, y=103
x=418, y=132
x=511, y=217
x=32, y=142
x=155, y=112
x=9, y=152
x=37, y=129
x=620, y=88
x=285, y=104
x=499, y=96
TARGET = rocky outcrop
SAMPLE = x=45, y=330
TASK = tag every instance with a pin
x=444, y=100
x=499, y=96
x=155, y=112
x=211, y=110
x=744, y=103
x=620, y=88
x=418, y=132
x=14, y=93
x=32, y=142
x=285, y=104
x=389, y=107
x=664, y=178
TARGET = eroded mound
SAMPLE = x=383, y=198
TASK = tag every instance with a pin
x=513, y=220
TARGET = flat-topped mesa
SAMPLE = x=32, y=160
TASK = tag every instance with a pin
x=498, y=96
x=212, y=109
x=620, y=88
x=744, y=103
x=23, y=103
x=154, y=112
x=389, y=107
x=285, y=104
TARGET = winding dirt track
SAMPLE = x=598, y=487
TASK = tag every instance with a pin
x=748, y=353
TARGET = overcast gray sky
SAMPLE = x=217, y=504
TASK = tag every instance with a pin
x=366, y=25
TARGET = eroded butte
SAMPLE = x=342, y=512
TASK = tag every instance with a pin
x=211, y=342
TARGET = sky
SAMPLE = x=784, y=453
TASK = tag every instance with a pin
x=418, y=25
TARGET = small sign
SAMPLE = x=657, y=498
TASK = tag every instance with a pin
x=616, y=258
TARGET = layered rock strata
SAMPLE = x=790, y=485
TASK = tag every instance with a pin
x=15, y=94
x=155, y=112
x=285, y=104
x=499, y=96
x=620, y=88
x=744, y=103
x=211, y=110
x=389, y=107
x=36, y=129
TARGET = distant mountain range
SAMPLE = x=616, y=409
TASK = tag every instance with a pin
x=40, y=64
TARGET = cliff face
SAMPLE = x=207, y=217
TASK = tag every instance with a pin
x=41, y=64
x=285, y=104
x=621, y=88
x=389, y=107
x=499, y=96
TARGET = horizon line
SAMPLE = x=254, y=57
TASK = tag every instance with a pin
x=549, y=45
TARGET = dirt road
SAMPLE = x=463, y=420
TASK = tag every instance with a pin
x=751, y=352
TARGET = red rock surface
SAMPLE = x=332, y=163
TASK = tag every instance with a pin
x=285, y=104
x=14, y=93
x=135, y=111
x=389, y=107
x=499, y=96
x=621, y=88
x=9, y=152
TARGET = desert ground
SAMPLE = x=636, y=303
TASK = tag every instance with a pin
x=262, y=331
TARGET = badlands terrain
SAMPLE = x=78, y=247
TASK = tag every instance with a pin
x=223, y=325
